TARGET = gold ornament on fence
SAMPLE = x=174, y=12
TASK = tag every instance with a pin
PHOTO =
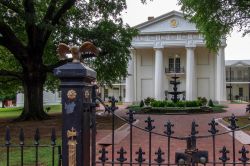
x=71, y=134
x=87, y=49
x=71, y=94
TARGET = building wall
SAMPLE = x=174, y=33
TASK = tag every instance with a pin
x=49, y=98
x=145, y=69
x=235, y=91
x=116, y=91
x=205, y=70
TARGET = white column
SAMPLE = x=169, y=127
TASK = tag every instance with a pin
x=190, y=74
x=129, y=96
x=220, y=76
x=159, y=74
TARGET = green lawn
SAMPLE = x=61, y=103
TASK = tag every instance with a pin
x=13, y=112
x=45, y=153
x=242, y=121
x=44, y=156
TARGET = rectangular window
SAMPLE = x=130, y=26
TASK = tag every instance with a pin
x=241, y=92
x=124, y=92
x=171, y=64
x=227, y=75
x=232, y=75
x=106, y=93
x=177, y=65
x=239, y=75
x=59, y=94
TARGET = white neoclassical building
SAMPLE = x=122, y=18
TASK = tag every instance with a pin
x=169, y=45
x=238, y=79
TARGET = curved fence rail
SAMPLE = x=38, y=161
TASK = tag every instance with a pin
x=190, y=156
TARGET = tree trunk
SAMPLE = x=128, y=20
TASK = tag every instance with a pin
x=33, y=96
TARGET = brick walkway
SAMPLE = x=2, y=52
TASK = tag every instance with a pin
x=182, y=128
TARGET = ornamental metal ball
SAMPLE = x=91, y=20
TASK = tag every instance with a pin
x=203, y=160
x=181, y=161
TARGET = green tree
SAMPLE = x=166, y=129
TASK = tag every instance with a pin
x=216, y=19
x=30, y=30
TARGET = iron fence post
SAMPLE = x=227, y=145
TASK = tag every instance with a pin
x=77, y=103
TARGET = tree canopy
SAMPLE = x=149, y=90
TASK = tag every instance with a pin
x=30, y=31
x=216, y=19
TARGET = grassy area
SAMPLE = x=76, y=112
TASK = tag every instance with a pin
x=14, y=112
x=238, y=102
x=44, y=159
x=242, y=121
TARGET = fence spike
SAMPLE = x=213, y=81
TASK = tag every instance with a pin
x=103, y=156
x=243, y=153
x=7, y=136
x=193, y=128
x=159, y=158
x=213, y=125
x=53, y=137
x=140, y=158
x=224, y=153
x=113, y=107
x=169, y=130
x=233, y=125
x=149, y=126
x=130, y=114
x=121, y=158
x=21, y=137
x=37, y=137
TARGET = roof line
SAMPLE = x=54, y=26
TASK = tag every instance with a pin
x=156, y=19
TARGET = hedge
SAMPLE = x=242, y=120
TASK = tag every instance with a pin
x=195, y=103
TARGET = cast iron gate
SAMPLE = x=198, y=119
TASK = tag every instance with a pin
x=190, y=156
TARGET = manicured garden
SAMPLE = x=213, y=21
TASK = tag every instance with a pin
x=201, y=105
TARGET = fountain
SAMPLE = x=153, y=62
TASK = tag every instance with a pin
x=175, y=94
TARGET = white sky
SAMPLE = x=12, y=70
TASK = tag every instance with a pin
x=238, y=47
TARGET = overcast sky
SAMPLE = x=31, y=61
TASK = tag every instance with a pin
x=237, y=47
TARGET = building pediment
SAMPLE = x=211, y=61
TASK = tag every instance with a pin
x=172, y=22
x=238, y=63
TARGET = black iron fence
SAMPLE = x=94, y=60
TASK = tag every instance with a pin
x=22, y=153
x=190, y=156
x=145, y=155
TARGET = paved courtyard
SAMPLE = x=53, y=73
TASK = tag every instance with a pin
x=182, y=128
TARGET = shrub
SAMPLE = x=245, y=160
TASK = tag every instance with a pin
x=169, y=104
x=157, y=104
x=202, y=100
x=180, y=104
x=210, y=103
x=161, y=104
x=154, y=104
x=148, y=100
x=194, y=103
x=142, y=103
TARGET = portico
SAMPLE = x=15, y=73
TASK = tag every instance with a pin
x=169, y=45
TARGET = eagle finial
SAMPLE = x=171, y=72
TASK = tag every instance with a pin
x=86, y=50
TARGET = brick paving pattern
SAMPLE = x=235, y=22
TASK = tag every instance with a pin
x=182, y=128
